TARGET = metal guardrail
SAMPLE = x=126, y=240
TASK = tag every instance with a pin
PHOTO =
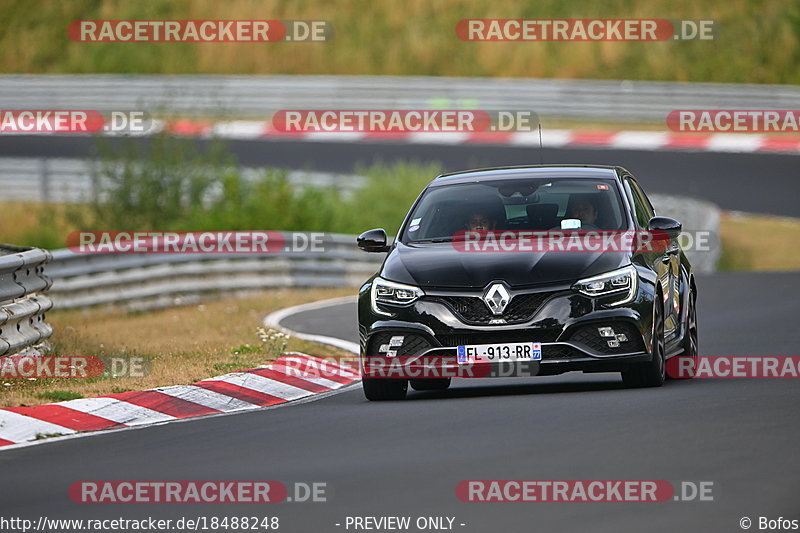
x=251, y=96
x=149, y=281
x=22, y=306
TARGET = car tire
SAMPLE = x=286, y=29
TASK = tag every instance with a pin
x=690, y=344
x=430, y=384
x=379, y=389
x=653, y=372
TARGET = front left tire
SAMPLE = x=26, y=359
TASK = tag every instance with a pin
x=379, y=389
x=690, y=338
x=653, y=372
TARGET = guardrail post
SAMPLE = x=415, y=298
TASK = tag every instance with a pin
x=44, y=179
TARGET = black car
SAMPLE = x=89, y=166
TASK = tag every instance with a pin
x=449, y=293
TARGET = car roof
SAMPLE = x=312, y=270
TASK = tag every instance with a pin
x=528, y=171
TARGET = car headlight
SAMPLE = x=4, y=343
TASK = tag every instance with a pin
x=389, y=292
x=623, y=281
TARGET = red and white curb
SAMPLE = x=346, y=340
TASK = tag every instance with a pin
x=269, y=385
x=621, y=140
x=626, y=140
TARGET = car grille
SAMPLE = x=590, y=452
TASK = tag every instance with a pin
x=473, y=310
x=589, y=336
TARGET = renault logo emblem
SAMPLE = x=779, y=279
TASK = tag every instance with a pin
x=496, y=298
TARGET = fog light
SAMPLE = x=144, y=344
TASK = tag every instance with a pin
x=613, y=344
x=606, y=332
x=621, y=337
x=396, y=340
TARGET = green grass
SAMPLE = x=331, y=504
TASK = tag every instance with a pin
x=758, y=40
x=42, y=436
x=60, y=395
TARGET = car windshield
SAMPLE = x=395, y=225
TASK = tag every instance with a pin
x=519, y=204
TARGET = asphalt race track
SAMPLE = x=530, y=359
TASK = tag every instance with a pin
x=405, y=458
x=754, y=182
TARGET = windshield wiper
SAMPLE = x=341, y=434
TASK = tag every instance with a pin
x=441, y=239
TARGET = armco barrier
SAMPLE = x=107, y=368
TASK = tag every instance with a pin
x=22, y=304
x=148, y=281
x=260, y=96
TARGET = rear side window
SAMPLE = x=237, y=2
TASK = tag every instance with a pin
x=641, y=205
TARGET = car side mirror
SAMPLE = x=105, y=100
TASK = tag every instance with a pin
x=373, y=240
x=671, y=227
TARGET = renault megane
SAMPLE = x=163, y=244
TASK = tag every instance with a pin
x=543, y=269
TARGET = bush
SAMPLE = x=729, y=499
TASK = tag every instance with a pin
x=168, y=185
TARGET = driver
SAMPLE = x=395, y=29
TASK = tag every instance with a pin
x=583, y=209
x=480, y=221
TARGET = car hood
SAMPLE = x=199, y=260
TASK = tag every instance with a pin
x=441, y=265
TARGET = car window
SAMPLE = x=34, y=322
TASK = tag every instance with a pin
x=518, y=204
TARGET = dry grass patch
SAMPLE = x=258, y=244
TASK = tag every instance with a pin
x=759, y=242
x=45, y=225
x=180, y=345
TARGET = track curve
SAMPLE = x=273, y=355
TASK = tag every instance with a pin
x=405, y=458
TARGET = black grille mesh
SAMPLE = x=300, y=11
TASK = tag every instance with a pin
x=559, y=351
x=473, y=310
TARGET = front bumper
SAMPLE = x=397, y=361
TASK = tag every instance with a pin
x=564, y=322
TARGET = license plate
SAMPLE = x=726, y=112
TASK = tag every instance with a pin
x=500, y=353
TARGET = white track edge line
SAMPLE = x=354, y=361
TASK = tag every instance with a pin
x=273, y=320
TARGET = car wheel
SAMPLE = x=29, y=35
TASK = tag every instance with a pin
x=430, y=384
x=379, y=389
x=690, y=345
x=653, y=372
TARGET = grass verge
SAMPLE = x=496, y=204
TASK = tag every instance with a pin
x=180, y=345
x=759, y=242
